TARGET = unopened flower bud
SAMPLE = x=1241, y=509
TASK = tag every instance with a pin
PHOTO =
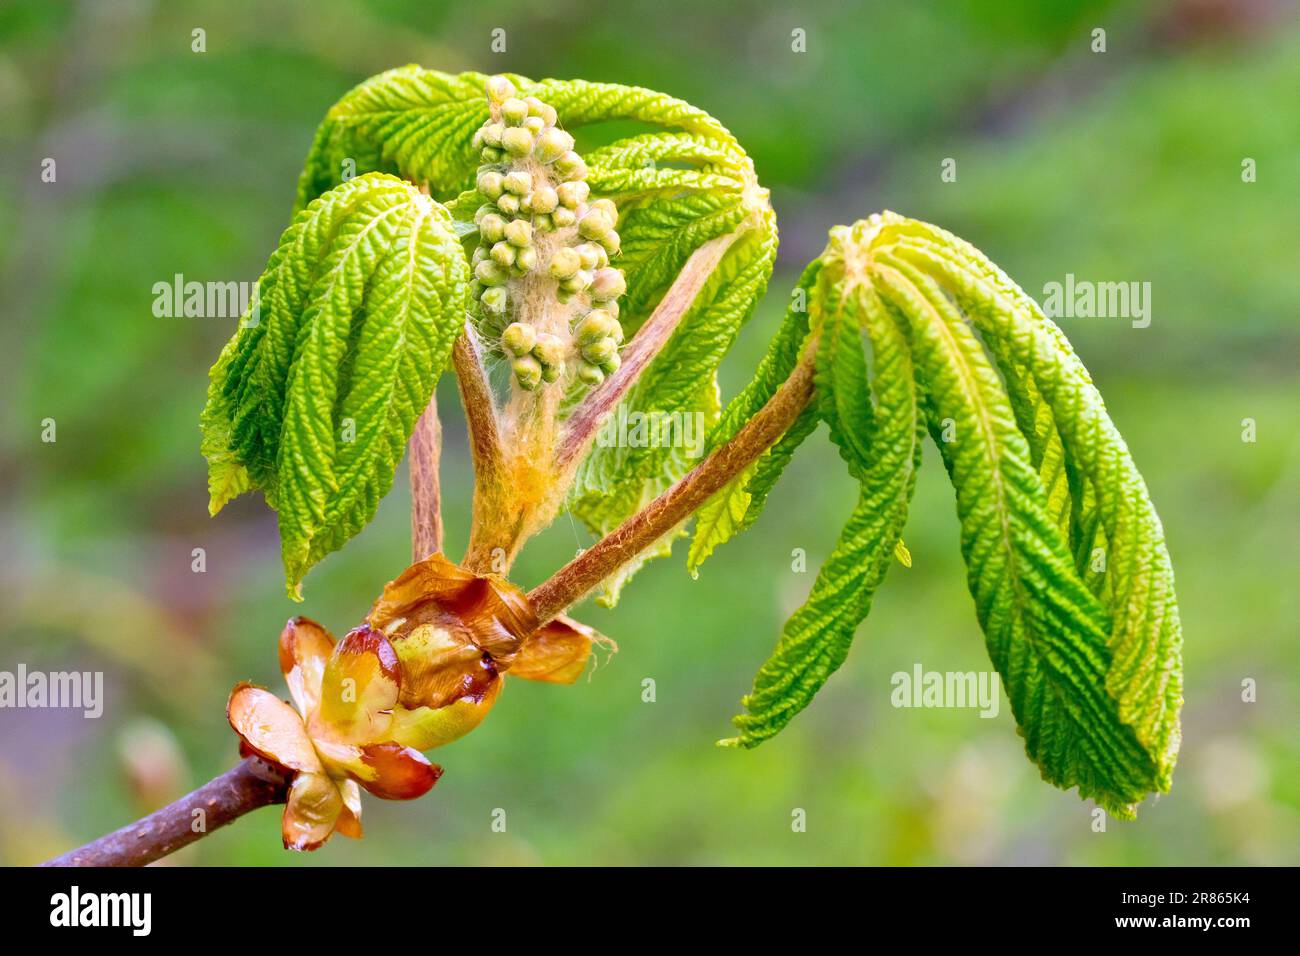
x=519, y=233
x=490, y=154
x=495, y=300
x=490, y=273
x=611, y=364
x=526, y=259
x=607, y=284
x=571, y=194
x=535, y=125
x=594, y=225
x=590, y=374
x=490, y=183
x=503, y=254
x=552, y=144
x=590, y=254
x=518, y=182
x=492, y=228
x=564, y=217
x=595, y=325
x=516, y=141
x=543, y=199
x=528, y=372
x=570, y=166
x=492, y=134
x=552, y=373
x=548, y=349
x=565, y=263
x=519, y=338
x=611, y=243
x=598, y=352
x=514, y=111
x=500, y=89
x=508, y=204
x=543, y=223
x=607, y=208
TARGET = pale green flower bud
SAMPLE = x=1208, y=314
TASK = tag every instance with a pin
x=518, y=182
x=476, y=287
x=571, y=166
x=519, y=338
x=611, y=364
x=595, y=325
x=552, y=144
x=509, y=204
x=490, y=273
x=599, y=352
x=492, y=134
x=552, y=373
x=490, y=154
x=564, y=217
x=573, y=194
x=526, y=259
x=495, y=300
x=535, y=106
x=503, y=254
x=611, y=243
x=514, y=111
x=543, y=199
x=482, y=212
x=490, y=183
x=549, y=350
x=492, y=228
x=535, y=125
x=516, y=141
x=500, y=89
x=528, y=372
x=607, y=208
x=480, y=254
x=519, y=233
x=590, y=374
x=565, y=263
x=607, y=284
x=543, y=223
x=594, y=225
x=590, y=254
x=612, y=308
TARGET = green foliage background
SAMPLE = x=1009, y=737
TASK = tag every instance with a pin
x=1122, y=166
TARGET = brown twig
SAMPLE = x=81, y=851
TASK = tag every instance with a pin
x=250, y=784
x=676, y=504
x=423, y=454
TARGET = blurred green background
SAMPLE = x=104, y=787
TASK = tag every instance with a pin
x=1123, y=165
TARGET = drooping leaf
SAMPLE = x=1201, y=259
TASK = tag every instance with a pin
x=313, y=402
x=872, y=416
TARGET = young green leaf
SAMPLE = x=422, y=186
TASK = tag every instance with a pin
x=314, y=403
x=872, y=416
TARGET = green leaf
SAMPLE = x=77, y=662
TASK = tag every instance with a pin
x=1113, y=510
x=1046, y=632
x=314, y=402
x=881, y=446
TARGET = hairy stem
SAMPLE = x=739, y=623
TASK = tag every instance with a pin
x=680, y=501
x=586, y=419
x=424, y=452
x=490, y=482
x=248, y=785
